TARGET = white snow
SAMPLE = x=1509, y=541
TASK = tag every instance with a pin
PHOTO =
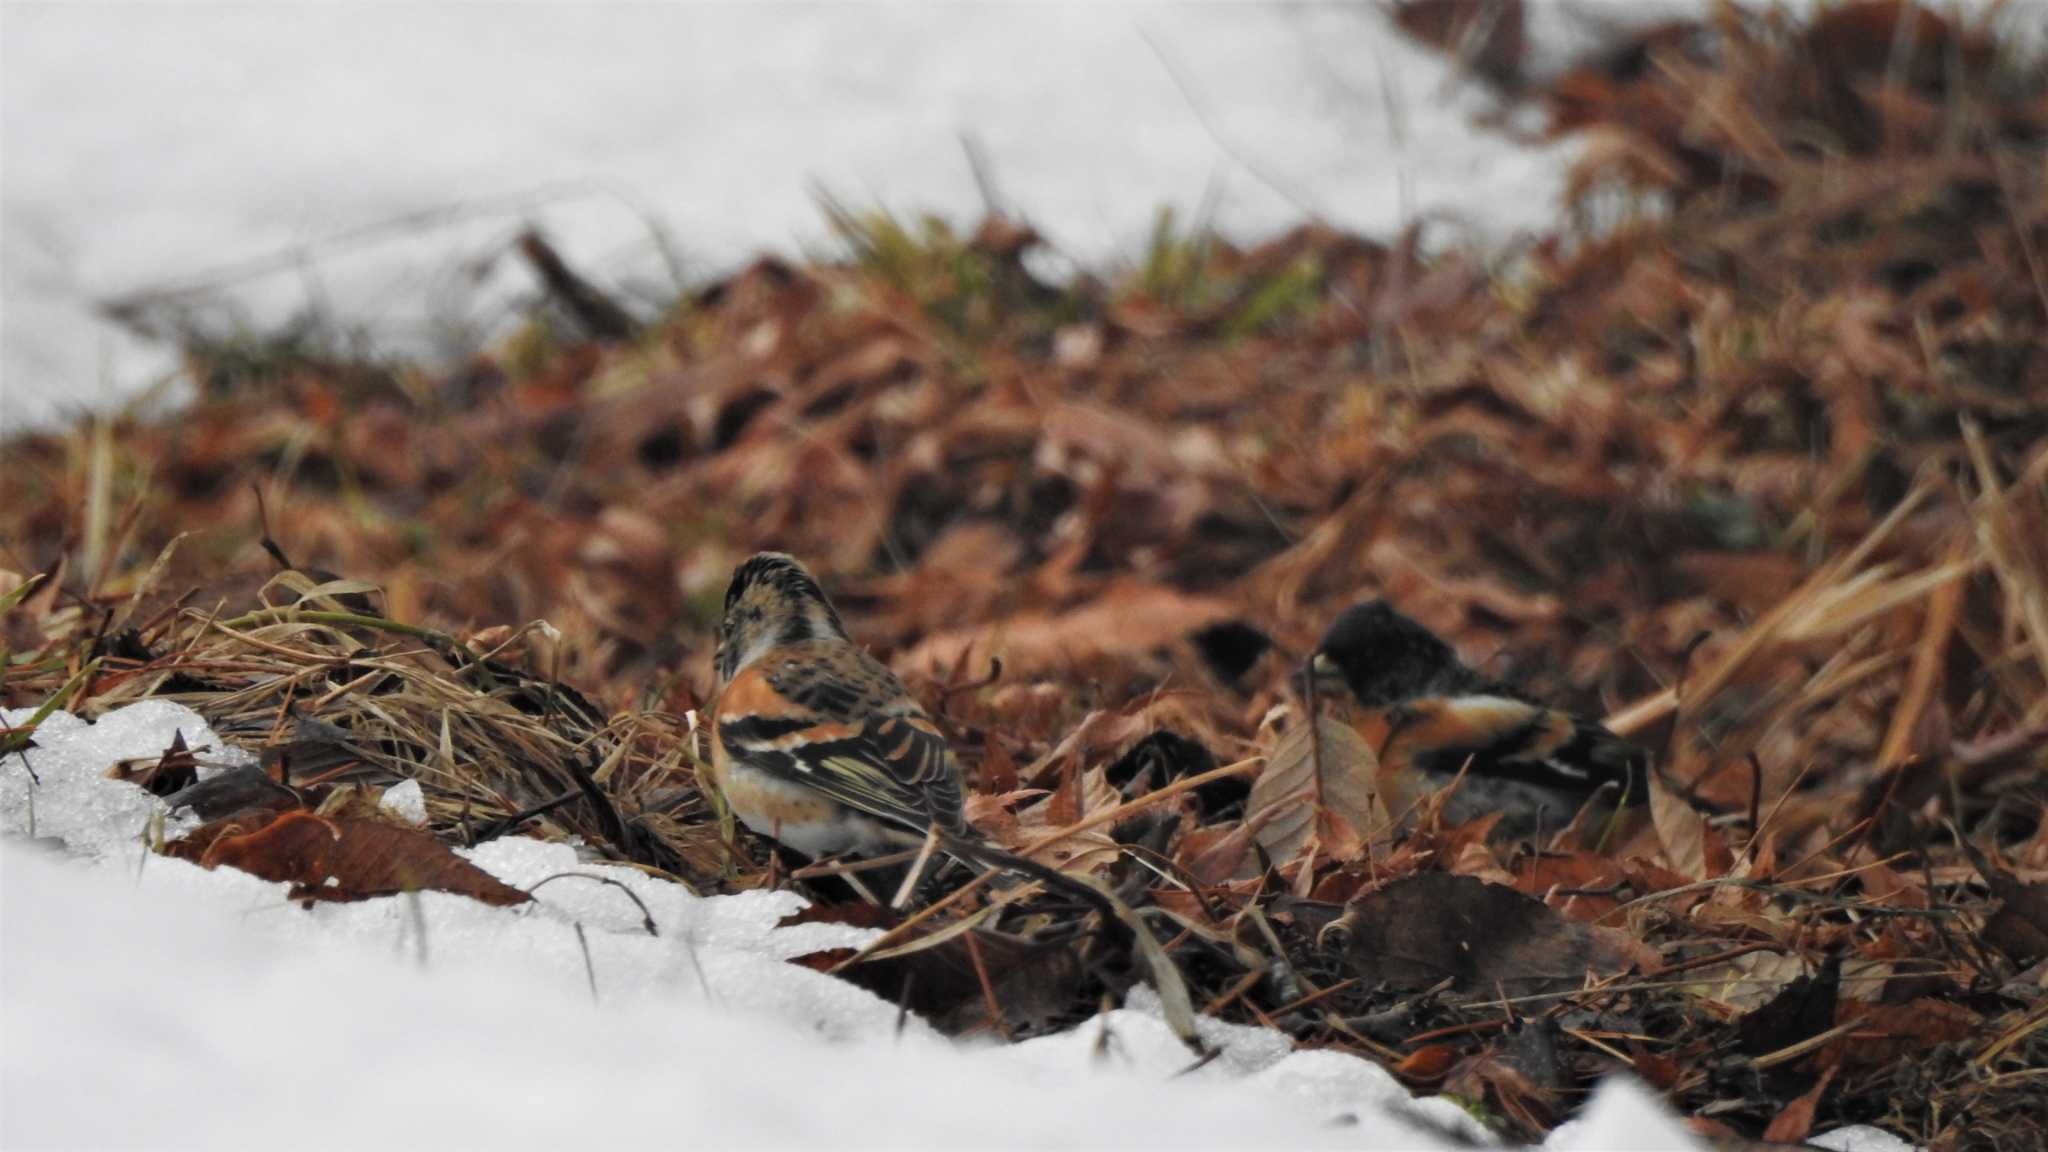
x=224, y=1016
x=1860, y=1138
x=406, y=801
x=372, y=160
x=75, y=804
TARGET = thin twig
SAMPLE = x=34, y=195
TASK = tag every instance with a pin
x=988, y=990
x=1118, y=812
x=589, y=969
x=646, y=917
x=916, y=873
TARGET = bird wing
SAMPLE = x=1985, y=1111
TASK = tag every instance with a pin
x=1510, y=737
x=827, y=716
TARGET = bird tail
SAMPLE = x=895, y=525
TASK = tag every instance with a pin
x=1175, y=1003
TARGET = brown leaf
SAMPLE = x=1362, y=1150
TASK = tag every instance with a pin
x=1647, y=877
x=998, y=769
x=1148, y=452
x=1478, y=860
x=1796, y=1120
x=1884, y=886
x=1591, y=879
x=1657, y=1070
x=1063, y=807
x=1453, y=841
x=2020, y=926
x=1420, y=929
x=630, y=539
x=1215, y=855
x=1681, y=830
x=857, y=914
x=1427, y=1064
x=1889, y=1032
x=1337, y=836
x=1519, y=1079
x=1080, y=794
x=1863, y=37
x=1128, y=619
x=1339, y=814
x=993, y=813
x=343, y=859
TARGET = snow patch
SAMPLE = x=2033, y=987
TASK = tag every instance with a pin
x=1860, y=1138
x=1624, y=1116
x=406, y=801
x=392, y=151
x=75, y=804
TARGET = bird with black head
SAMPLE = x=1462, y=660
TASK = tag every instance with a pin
x=1434, y=720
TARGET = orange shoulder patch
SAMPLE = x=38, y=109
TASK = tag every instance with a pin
x=749, y=694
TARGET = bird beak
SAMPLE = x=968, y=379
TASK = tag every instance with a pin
x=1323, y=671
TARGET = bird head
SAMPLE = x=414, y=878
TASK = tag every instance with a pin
x=771, y=601
x=1380, y=655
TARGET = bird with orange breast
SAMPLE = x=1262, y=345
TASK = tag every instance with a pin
x=814, y=742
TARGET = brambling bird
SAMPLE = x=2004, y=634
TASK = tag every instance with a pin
x=1431, y=717
x=816, y=744
x=813, y=741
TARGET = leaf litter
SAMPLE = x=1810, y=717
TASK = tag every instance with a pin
x=1750, y=456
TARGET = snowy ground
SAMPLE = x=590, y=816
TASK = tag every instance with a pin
x=367, y=160
x=148, y=1002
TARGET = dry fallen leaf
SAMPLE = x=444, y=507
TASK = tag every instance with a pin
x=1125, y=620
x=340, y=859
x=1082, y=794
x=1418, y=930
x=1681, y=830
x=1796, y=1120
x=1890, y=1032
x=1337, y=815
x=1427, y=1064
